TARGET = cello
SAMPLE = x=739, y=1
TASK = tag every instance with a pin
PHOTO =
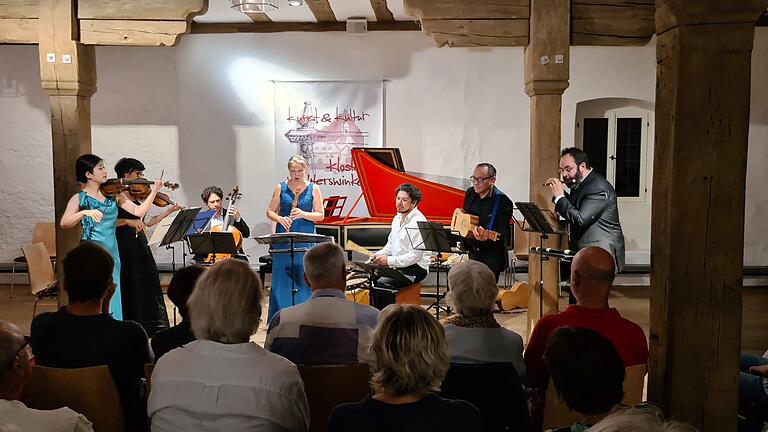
x=226, y=227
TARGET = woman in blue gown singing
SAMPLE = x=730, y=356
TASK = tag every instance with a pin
x=295, y=207
x=97, y=215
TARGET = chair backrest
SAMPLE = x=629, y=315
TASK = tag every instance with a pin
x=495, y=389
x=89, y=391
x=328, y=386
x=520, y=243
x=557, y=414
x=39, y=267
x=45, y=232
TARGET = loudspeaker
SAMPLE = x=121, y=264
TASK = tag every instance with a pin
x=357, y=26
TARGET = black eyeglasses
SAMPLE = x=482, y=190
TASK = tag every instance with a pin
x=474, y=179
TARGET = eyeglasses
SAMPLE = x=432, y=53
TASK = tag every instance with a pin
x=474, y=179
x=568, y=168
x=22, y=348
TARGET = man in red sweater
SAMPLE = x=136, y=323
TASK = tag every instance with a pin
x=592, y=274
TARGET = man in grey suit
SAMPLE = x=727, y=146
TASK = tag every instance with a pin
x=590, y=208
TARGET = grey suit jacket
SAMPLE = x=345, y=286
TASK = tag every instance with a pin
x=593, y=217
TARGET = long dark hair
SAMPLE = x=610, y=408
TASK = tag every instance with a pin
x=127, y=165
x=85, y=164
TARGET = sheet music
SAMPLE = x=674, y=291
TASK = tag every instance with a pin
x=159, y=233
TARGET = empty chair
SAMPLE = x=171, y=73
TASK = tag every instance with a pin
x=89, y=391
x=328, y=386
x=44, y=232
x=495, y=389
x=42, y=281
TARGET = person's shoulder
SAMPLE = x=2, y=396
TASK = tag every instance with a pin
x=456, y=407
x=129, y=328
x=366, y=314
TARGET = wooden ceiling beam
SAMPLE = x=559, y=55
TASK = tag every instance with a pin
x=153, y=10
x=322, y=11
x=612, y=22
x=382, y=11
x=474, y=33
x=18, y=31
x=462, y=9
x=131, y=32
x=18, y=9
x=278, y=27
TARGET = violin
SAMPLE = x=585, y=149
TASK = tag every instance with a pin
x=140, y=188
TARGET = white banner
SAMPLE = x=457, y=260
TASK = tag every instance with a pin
x=323, y=121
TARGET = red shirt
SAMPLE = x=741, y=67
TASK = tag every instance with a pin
x=626, y=336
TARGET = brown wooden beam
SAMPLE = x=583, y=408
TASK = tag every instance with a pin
x=463, y=9
x=545, y=81
x=382, y=11
x=277, y=27
x=471, y=33
x=18, y=9
x=703, y=54
x=131, y=32
x=141, y=9
x=322, y=11
x=18, y=31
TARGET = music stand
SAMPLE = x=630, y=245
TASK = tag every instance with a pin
x=291, y=238
x=434, y=239
x=538, y=223
x=212, y=243
x=176, y=232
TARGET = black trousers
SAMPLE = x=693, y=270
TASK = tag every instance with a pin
x=385, y=289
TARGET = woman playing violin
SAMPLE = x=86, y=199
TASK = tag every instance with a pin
x=140, y=282
x=97, y=215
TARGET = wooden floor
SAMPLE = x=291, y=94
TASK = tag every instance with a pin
x=632, y=303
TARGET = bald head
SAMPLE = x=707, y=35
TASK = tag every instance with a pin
x=11, y=340
x=592, y=274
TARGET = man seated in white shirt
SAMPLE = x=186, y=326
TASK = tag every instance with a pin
x=399, y=252
x=16, y=364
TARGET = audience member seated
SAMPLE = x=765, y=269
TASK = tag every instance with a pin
x=641, y=418
x=179, y=290
x=753, y=380
x=592, y=274
x=410, y=361
x=15, y=368
x=473, y=334
x=84, y=334
x=587, y=373
x=222, y=381
x=327, y=329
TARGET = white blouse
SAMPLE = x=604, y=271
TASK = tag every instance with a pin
x=210, y=386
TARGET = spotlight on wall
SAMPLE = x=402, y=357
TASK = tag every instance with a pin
x=255, y=6
x=295, y=2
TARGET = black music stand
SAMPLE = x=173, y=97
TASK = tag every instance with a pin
x=375, y=272
x=291, y=239
x=177, y=230
x=212, y=243
x=434, y=238
x=538, y=223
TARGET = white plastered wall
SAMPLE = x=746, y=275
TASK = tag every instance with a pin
x=204, y=113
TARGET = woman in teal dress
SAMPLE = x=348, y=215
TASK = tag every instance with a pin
x=295, y=207
x=97, y=215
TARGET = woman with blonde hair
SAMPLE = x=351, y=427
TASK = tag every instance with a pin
x=411, y=359
x=295, y=207
x=223, y=381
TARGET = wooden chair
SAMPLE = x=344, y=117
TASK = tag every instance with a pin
x=519, y=250
x=42, y=280
x=328, y=386
x=89, y=391
x=44, y=232
x=557, y=414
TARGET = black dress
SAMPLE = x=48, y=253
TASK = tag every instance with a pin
x=140, y=283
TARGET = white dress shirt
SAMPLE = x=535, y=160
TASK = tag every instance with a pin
x=15, y=416
x=402, y=239
x=210, y=386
